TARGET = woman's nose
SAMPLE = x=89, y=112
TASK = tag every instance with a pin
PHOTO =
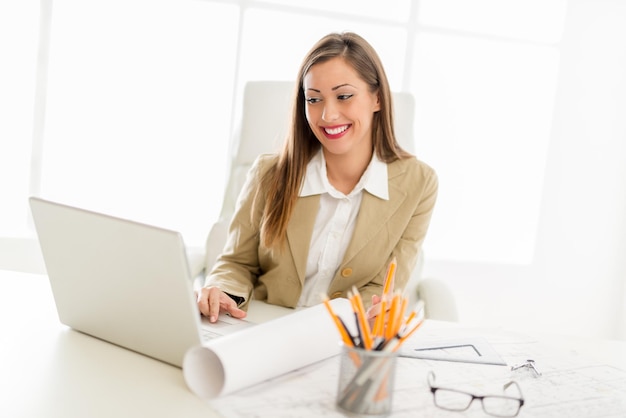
x=330, y=112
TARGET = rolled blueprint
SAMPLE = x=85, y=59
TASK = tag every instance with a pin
x=248, y=357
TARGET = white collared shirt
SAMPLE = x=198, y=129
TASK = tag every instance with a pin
x=335, y=221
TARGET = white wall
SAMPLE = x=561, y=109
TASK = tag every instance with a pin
x=21, y=254
x=576, y=280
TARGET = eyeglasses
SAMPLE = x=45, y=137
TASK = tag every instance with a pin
x=457, y=400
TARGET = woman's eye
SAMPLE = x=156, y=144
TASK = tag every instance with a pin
x=344, y=96
x=312, y=100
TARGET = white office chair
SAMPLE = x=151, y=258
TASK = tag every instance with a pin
x=262, y=127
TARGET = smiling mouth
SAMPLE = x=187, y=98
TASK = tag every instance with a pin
x=335, y=131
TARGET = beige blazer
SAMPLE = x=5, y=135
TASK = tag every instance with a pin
x=384, y=229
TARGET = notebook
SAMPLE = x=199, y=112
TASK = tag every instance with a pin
x=122, y=281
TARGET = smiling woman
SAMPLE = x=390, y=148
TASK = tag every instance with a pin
x=328, y=213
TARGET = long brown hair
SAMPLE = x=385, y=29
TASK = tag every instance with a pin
x=285, y=179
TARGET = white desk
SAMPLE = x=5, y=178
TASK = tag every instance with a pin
x=48, y=370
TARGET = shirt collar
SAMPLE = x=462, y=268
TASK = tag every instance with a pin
x=374, y=180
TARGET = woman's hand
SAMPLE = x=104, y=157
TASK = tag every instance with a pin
x=374, y=309
x=212, y=301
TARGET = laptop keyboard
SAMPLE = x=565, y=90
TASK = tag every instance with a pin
x=208, y=334
x=224, y=325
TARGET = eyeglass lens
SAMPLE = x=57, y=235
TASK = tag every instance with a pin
x=499, y=406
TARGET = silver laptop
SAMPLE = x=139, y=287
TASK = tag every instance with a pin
x=124, y=282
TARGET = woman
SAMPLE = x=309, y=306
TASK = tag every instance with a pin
x=340, y=201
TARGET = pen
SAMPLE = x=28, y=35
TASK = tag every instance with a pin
x=360, y=339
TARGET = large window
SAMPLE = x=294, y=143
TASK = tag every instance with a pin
x=485, y=76
x=19, y=29
x=139, y=97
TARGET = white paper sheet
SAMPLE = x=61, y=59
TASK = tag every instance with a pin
x=571, y=385
x=253, y=355
x=463, y=349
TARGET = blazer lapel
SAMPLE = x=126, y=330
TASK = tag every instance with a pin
x=374, y=214
x=300, y=229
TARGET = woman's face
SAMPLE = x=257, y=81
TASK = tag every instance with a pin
x=339, y=107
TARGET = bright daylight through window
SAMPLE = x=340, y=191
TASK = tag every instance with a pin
x=138, y=122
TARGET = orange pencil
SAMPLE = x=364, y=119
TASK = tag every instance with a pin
x=365, y=326
x=419, y=310
x=410, y=318
x=379, y=323
x=400, y=315
x=347, y=340
x=392, y=319
x=389, y=280
x=408, y=334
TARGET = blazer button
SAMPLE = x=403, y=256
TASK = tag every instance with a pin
x=347, y=272
x=336, y=295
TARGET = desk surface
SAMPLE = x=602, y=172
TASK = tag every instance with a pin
x=48, y=370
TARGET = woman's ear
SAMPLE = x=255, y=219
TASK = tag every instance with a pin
x=377, y=104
